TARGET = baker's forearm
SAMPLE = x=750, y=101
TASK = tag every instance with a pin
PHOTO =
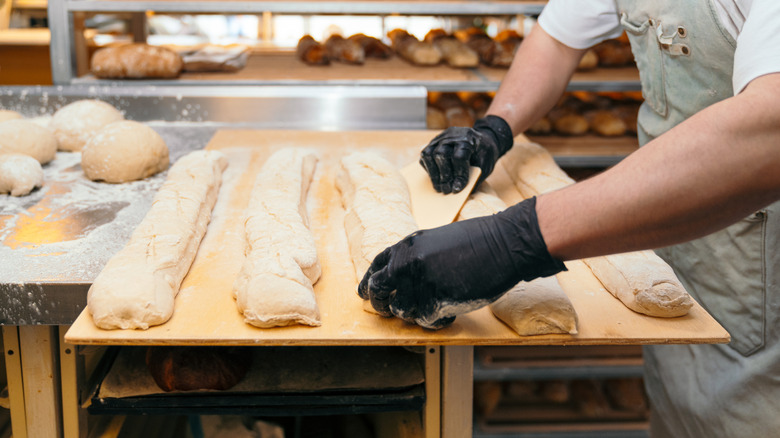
x=538, y=76
x=708, y=172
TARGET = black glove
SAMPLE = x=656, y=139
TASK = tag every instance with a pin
x=432, y=275
x=448, y=156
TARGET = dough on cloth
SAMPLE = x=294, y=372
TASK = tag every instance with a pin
x=378, y=208
x=274, y=287
x=76, y=122
x=25, y=137
x=641, y=280
x=537, y=307
x=137, y=287
x=19, y=174
x=124, y=151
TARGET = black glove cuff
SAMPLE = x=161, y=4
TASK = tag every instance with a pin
x=524, y=239
x=499, y=129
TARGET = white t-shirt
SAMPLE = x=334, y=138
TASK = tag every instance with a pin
x=754, y=24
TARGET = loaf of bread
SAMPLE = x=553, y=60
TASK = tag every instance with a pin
x=373, y=47
x=341, y=49
x=455, y=53
x=479, y=42
x=606, y=123
x=311, y=52
x=136, y=61
x=198, y=368
x=413, y=50
x=508, y=41
x=589, y=60
x=435, y=118
x=613, y=53
x=455, y=111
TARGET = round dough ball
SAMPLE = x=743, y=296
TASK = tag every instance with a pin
x=28, y=138
x=19, y=174
x=75, y=123
x=124, y=151
x=9, y=115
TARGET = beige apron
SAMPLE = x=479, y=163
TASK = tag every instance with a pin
x=685, y=58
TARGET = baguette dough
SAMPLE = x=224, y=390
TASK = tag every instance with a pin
x=641, y=280
x=137, y=287
x=274, y=287
x=124, y=151
x=19, y=174
x=9, y=115
x=378, y=208
x=28, y=138
x=76, y=122
x=537, y=307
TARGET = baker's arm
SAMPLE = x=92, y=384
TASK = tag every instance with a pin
x=710, y=171
x=536, y=79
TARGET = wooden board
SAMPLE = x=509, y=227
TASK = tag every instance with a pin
x=206, y=311
x=430, y=208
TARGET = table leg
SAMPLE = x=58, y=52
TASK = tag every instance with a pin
x=432, y=410
x=40, y=379
x=74, y=419
x=13, y=368
x=457, y=391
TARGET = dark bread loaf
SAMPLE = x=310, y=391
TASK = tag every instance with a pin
x=198, y=368
x=413, y=50
x=373, y=47
x=311, y=52
x=341, y=49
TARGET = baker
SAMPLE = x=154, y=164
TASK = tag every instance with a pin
x=704, y=187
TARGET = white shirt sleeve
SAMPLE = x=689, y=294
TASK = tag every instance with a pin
x=758, y=45
x=581, y=24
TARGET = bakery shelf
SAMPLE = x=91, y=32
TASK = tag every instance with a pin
x=282, y=381
x=281, y=67
x=544, y=363
x=374, y=7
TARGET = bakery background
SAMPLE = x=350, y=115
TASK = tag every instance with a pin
x=245, y=72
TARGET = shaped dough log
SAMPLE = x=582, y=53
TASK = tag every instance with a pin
x=378, y=208
x=274, y=287
x=137, y=287
x=641, y=280
x=19, y=174
x=538, y=307
x=530, y=308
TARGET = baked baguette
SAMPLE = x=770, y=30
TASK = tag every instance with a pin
x=136, y=61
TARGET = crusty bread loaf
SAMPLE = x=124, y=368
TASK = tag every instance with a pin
x=373, y=47
x=455, y=53
x=606, y=123
x=478, y=41
x=413, y=50
x=613, y=53
x=589, y=60
x=197, y=368
x=435, y=118
x=136, y=61
x=311, y=52
x=508, y=41
x=341, y=49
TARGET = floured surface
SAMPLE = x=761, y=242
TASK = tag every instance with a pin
x=206, y=313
